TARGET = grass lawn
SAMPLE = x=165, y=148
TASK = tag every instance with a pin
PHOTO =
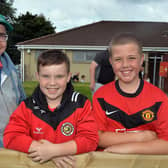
x=83, y=88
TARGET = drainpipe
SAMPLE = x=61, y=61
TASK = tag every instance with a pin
x=154, y=69
x=160, y=78
x=22, y=64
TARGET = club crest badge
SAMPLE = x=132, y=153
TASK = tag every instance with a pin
x=67, y=129
x=148, y=115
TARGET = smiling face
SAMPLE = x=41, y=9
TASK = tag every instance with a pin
x=126, y=61
x=53, y=80
x=3, y=44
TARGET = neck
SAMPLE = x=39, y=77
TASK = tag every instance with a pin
x=129, y=87
x=54, y=103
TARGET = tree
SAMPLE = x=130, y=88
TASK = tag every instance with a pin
x=28, y=26
x=6, y=8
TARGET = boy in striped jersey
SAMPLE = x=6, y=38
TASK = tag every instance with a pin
x=55, y=121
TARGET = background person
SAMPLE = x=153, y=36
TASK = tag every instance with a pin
x=11, y=91
x=101, y=71
x=75, y=77
x=82, y=78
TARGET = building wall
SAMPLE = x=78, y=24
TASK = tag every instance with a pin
x=83, y=68
x=29, y=65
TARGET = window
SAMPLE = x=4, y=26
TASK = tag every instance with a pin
x=84, y=56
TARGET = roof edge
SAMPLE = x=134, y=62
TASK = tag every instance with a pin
x=84, y=47
x=67, y=47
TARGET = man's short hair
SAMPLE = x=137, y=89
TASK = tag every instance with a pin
x=51, y=57
x=125, y=38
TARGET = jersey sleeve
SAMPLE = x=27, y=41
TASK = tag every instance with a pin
x=162, y=123
x=16, y=134
x=87, y=134
x=99, y=114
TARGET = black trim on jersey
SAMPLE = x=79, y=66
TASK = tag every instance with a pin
x=128, y=121
x=38, y=104
x=129, y=94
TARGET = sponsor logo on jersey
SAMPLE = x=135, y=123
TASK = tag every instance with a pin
x=148, y=115
x=111, y=112
x=67, y=129
x=38, y=131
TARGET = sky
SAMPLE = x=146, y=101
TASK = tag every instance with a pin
x=67, y=14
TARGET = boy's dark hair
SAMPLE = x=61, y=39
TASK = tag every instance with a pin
x=51, y=57
x=125, y=38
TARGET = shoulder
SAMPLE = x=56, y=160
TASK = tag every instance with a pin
x=29, y=102
x=78, y=99
x=105, y=89
x=154, y=91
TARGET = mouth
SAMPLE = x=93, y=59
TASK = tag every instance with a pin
x=52, y=90
x=126, y=73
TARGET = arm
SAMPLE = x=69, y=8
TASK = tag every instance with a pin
x=107, y=139
x=93, y=66
x=16, y=134
x=21, y=90
x=157, y=146
x=47, y=150
x=87, y=135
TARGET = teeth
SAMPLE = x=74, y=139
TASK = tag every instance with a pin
x=126, y=72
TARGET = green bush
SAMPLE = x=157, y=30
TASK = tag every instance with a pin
x=83, y=88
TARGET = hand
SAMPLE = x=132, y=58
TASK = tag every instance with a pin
x=41, y=152
x=65, y=161
x=146, y=135
x=92, y=86
x=33, y=145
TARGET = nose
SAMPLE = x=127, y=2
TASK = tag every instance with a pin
x=125, y=63
x=53, y=81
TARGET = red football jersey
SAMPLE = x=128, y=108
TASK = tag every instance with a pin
x=116, y=111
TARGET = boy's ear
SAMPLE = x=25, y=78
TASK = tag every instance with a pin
x=142, y=59
x=69, y=76
x=37, y=76
x=110, y=60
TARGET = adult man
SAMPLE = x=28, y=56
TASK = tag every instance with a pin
x=132, y=114
x=11, y=91
x=101, y=71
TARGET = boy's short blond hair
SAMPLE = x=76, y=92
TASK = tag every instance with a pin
x=125, y=38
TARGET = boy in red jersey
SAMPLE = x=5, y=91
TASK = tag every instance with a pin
x=132, y=114
x=55, y=121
